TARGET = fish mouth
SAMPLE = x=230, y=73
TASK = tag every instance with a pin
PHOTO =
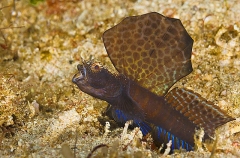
x=80, y=75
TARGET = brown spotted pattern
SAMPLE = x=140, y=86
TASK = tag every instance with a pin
x=197, y=109
x=150, y=49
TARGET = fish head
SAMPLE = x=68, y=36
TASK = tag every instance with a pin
x=95, y=80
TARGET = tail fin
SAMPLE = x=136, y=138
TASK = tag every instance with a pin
x=197, y=109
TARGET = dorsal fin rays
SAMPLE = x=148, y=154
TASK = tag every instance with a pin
x=163, y=84
x=197, y=109
x=141, y=45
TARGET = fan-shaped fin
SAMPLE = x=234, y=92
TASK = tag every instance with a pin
x=150, y=49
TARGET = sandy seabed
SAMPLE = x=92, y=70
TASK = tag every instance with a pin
x=42, y=114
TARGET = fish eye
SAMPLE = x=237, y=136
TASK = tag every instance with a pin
x=96, y=67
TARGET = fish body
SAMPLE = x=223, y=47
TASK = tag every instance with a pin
x=160, y=113
x=151, y=52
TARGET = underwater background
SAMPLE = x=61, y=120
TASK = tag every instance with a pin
x=43, y=114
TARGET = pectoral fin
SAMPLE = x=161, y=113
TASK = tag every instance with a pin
x=120, y=117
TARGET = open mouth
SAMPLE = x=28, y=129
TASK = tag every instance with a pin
x=81, y=75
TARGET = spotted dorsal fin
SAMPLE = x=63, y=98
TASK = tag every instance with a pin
x=151, y=49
